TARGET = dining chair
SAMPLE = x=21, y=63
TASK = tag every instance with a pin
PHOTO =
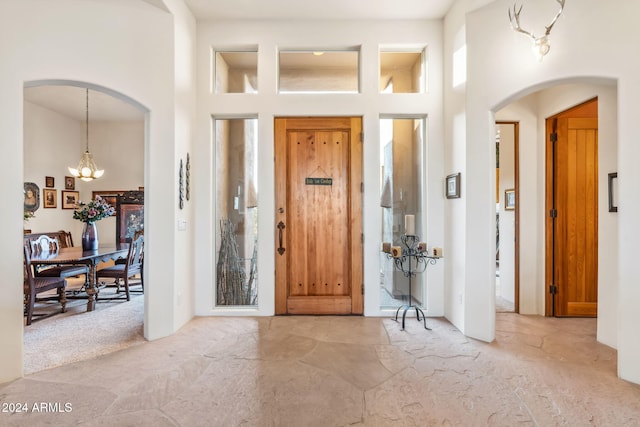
x=136, y=234
x=43, y=245
x=130, y=268
x=37, y=285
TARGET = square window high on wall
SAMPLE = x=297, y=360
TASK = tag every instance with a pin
x=318, y=71
x=235, y=71
x=236, y=212
x=403, y=70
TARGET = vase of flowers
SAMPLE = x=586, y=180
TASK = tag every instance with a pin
x=89, y=213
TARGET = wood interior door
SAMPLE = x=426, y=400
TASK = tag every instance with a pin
x=574, y=217
x=318, y=215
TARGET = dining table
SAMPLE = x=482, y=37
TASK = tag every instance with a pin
x=91, y=258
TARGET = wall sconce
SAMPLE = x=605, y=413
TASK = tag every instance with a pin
x=541, y=45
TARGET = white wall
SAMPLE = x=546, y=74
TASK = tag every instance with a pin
x=53, y=141
x=184, y=295
x=370, y=104
x=506, y=72
x=90, y=42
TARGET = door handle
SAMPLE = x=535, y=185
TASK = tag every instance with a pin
x=280, y=228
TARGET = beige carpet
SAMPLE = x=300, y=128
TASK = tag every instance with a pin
x=80, y=335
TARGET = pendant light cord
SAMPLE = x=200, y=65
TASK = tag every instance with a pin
x=87, y=121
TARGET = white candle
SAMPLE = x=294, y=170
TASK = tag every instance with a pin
x=410, y=225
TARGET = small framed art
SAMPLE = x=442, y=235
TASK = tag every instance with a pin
x=509, y=199
x=452, y=186
x=49, y=182
x=50, y=198
x=31, y=197
x=69, y=183
x=70, y=199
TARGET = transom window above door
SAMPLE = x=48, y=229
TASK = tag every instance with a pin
x=318, y=71
x=403, y=71
x=236, y=71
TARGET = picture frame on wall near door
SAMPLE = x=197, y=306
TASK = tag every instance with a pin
x=509, y=199
x=452, y=186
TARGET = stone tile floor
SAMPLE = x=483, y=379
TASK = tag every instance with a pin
x=338, y=371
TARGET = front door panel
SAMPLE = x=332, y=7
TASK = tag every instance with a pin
x=319, y=248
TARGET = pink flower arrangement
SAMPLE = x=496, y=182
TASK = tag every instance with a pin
x=93, y=211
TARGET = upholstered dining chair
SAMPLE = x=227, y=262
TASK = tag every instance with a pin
x=136, y=234
x=37, y=285
x=130, y=268
x=45, y=244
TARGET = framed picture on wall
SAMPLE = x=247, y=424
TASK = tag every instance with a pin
x=31, y=197
x=69, y=183
x=509, y=199
x=110, y=197
x=70, y=199
x=452, y=186
x=50, y=198
x=49, y=182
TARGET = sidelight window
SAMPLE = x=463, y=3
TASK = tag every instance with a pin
x=402, y=170
x=236, y=212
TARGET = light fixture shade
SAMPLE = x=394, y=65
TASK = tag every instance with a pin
x=86, y=169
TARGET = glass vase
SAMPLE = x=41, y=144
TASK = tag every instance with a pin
x=90, y=237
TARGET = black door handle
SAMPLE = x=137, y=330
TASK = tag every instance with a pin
x=281, y=227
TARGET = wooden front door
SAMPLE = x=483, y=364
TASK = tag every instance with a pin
x=573, y=217
x=318, y=215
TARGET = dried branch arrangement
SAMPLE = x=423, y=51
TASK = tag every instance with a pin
x=233, y=287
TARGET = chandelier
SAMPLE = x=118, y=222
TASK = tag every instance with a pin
x=86, y=169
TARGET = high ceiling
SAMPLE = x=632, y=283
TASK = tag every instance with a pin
x=319, y=9
x=70, y=101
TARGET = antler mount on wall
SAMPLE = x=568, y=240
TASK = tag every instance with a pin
x=541, y=45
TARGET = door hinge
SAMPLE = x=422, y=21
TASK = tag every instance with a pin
x=361, y=136
x=362, y=187
x=362, y=237
x=362, y=288
x=553, y=289
x=553, y=213
x=554, y=137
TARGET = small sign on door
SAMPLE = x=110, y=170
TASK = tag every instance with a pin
x=318, y=181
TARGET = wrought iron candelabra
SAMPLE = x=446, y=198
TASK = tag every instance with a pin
x=411, y=258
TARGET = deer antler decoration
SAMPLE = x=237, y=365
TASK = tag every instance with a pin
x=541, y=44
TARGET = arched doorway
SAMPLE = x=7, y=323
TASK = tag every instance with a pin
x=530, y=110
x=54, y=117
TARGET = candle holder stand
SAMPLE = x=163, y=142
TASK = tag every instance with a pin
x=413, y=260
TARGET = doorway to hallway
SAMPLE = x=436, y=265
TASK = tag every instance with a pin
x=507, y=236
